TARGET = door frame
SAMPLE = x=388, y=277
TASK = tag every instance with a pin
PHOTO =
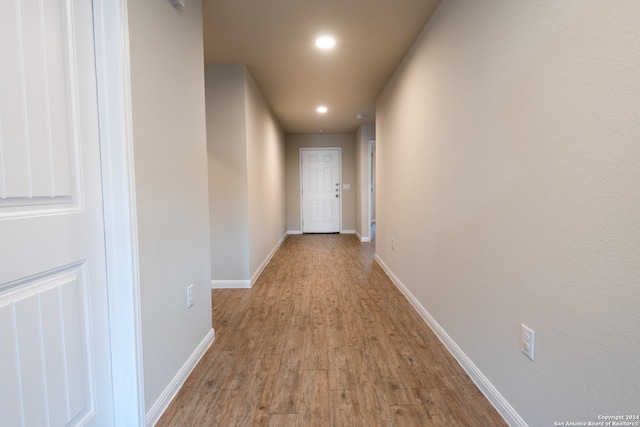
x=370, y=188
x=113, y=67
x=339, y=149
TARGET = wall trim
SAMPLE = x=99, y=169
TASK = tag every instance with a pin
x=169, y=393
x=348, y=232
x=261, y=267
x=497, y=400
x=230, y=284
x=363, y=239
x=247, y=284
x=113, y=84
x=294, y=231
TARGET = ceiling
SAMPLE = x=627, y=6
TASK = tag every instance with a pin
x=275, y=39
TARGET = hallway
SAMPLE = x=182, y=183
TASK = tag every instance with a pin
x=325, y=338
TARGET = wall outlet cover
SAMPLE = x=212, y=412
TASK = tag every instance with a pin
x=527, y=341
x=190, y=296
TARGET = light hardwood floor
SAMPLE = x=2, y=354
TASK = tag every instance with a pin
x=324, y=338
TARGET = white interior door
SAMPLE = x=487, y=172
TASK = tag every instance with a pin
x=54, y=333
x=321, y=193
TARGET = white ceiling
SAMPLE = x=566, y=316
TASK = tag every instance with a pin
x=275, y=39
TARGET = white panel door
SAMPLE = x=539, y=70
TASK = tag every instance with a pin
x=320, y=190
x=55, y=366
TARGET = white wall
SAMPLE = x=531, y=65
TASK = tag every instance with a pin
x=509, y=177
x=246, y=176
x=167, y=77
x=228, y=182
x=345, y=141
x=266, y=177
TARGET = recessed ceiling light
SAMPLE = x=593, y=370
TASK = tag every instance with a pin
x=325, y=42
x=322, y=109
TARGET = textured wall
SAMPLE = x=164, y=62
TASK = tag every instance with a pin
x=266, y=177
x=228, y=182
x=169, y=135
x=246, y=174
x=509, y=179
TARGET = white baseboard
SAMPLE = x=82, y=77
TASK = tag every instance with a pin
x=262, y=266
x=497, y=400
x=162, y=403
x=230, y=284
x=363, y=239
x=247, y=284
x=341, y=232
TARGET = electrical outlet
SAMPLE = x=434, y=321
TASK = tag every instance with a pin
x=190, y=296
x=527, y=340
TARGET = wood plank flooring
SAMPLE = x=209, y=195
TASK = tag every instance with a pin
x=324, y=338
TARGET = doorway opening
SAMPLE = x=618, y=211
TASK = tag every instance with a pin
x=372, y=191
